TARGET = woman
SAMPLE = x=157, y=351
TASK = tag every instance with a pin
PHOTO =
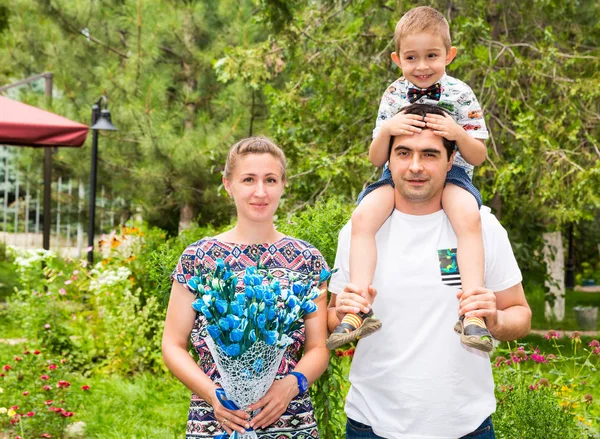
x=254, y=177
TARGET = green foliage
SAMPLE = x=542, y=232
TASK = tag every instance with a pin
x=185, y=80
x=96, y=316
x=157, y=257
x=532, y=414
x=319, y=225
x=541, y=394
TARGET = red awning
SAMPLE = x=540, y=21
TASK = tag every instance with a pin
x=24, y=125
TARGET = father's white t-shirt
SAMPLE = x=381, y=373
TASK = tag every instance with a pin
x=414, y=379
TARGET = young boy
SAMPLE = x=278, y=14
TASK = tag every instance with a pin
x=423, y=50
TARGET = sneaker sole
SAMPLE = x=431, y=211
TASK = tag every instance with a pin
x=473, y=341
x=368, y=327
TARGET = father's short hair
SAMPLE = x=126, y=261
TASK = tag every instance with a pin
x=422, y=110
x=419, y=20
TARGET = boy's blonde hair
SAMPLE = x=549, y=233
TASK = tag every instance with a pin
x=422, y=19
x=254, y=145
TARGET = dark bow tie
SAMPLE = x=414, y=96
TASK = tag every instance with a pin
x=432, y=92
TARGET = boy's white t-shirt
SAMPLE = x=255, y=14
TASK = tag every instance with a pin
x=414, y=379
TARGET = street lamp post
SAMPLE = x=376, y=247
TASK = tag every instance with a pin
x=100, y=122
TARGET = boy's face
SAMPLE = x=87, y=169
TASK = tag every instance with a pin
x=423, y=58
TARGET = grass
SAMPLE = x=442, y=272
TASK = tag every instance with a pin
x=535, y=291
x=146, y=406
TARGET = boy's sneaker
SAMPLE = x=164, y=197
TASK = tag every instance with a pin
x=353, y=327
x=474, y=333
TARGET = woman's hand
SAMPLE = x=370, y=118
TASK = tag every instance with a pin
x=275, y=402
x=230, y=419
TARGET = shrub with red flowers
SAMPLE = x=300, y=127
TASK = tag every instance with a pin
x=36, y=397
x=557, y=387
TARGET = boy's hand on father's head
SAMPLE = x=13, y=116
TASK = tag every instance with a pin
x=444, y=126
x=403, y=124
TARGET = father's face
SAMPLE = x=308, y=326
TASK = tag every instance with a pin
x=419, y=165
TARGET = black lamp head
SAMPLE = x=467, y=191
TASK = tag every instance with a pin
x=104, y=122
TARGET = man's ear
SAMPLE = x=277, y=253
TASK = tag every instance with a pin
x=396, y=59
x=451, y=160
x=450, y=55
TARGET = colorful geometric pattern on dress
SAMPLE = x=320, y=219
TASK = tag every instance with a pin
x=286, y=256
x=456, y=97
x=449, y=267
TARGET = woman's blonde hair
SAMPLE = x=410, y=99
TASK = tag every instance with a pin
x=254, y=145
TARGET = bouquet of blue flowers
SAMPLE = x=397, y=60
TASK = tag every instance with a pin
x=250, y=330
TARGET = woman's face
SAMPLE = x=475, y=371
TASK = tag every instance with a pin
x=256, y=187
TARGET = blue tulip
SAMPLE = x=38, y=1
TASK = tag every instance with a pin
x=227, y=275
x=297, y=289
x=289, y=319
x=258, y=365
x=193, y=283
x=252, y=335
x=197, y=305
x=249, y=291
x=271, y=314
x=276, y=287
x=259, y=292
x=325, y=275
x=224, y=324
x=206, y=312
x=221, y=305
x=233, y=350
x=271, y=337
x=234, y=321
x=236, y=335
x=309, y=307
x=252, y=310
x=221, y=344
x=257, y=280
x=269, y=298
x=214, y=331
x=292, y=301
x=261, y=321
x=248, y=279
x=240, y=299
x=284, y=294
x=236, y=309
x=221, y=264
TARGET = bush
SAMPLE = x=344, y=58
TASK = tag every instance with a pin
x=546, y=395
x=36, y=396
x=320, y=225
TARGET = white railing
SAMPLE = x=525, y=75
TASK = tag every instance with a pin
x=21, y=209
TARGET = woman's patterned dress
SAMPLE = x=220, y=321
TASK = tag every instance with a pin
x=283, y=257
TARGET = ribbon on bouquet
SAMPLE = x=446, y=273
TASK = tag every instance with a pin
x=230, y=405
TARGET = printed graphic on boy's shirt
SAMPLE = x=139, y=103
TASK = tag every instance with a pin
x=446, y=106
x=449, y=267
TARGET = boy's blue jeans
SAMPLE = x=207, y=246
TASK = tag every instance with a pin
x=356, y=430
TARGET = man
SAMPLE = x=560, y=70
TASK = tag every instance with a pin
x=414, y=378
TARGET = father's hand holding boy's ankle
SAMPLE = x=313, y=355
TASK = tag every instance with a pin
x=479, y=302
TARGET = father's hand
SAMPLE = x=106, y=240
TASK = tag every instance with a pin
x=353, y=300
x=479, y=302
